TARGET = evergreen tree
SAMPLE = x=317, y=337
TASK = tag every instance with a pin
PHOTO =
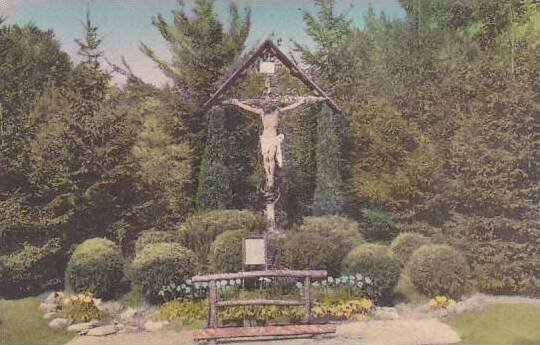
x=30, y=61
x=214, y=189
x=201, y=48
x=329, y=197
x=301, y=170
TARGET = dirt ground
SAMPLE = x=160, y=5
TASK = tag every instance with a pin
x=394, y=332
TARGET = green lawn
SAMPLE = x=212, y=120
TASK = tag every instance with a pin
x=500, y=324
x=21, y=323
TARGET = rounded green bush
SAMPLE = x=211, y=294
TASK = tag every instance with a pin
x=345, y=232
x=437, y=269
x=304, y=250
x=406, y=243
x=200, y=230
x=377, y=225
x=379, y=264
x=96, y=266
x=226, y=252
x=160, y=264
x=321, y=243
x=152, y=236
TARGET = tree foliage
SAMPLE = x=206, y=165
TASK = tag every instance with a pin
x=438, y=128
x=201, y=47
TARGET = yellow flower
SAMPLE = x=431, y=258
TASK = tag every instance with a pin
x=440, y=299
x=366, y=303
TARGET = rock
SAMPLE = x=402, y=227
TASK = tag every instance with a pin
x=154, y=326
x=82, y=326
x=59, y=323
x=385, y=313
x=49, y=307
x=128, y=314
x=110, y=307
x=129, y=329
x=54, y=298
x=424, y=308
x=101, y=331
x=458, y=308
x=51, y=315
x=443, y=313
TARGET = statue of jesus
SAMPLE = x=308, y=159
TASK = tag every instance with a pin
x=270, y=113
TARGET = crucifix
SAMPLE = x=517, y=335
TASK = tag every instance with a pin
x=270, y=109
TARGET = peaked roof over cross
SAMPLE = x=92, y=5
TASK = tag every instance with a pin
x=268, y=47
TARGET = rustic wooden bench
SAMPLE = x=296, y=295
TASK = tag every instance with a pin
x=260, y=333
x=213, y=333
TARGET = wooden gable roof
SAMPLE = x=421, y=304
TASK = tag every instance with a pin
x=268, y=46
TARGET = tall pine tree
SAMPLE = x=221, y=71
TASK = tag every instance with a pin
x=214, y=190
x=329, y=197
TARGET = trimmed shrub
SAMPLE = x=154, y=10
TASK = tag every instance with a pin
x=377, y=225
x=304, y=250
x=321, y=243
x=159, y=264
x=342, y=230
x=379, y=264
x=437, y=269
x=152, y=236
x=200, y=230
x=405, y=244
x=226, y=252
x=96, y=266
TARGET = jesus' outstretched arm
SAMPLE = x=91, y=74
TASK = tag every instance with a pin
x=301, y=101
x=244, y=106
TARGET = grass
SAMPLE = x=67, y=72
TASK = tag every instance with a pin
x=21, y=323
x=500, y=324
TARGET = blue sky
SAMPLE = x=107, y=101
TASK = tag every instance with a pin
x=125, y=23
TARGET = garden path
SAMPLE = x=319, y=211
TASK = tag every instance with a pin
x=392, y=332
